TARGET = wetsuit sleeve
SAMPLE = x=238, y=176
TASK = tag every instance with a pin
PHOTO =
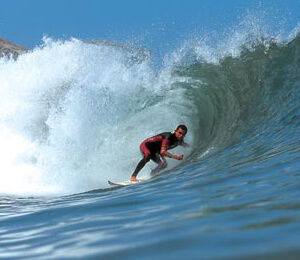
x=164, y=144
x=164, y=148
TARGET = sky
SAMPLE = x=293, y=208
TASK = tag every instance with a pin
x=154, y=24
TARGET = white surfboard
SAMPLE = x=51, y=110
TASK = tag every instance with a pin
x=126, y=183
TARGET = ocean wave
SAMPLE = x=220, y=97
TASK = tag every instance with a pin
x=241, y=91
x=76, y=112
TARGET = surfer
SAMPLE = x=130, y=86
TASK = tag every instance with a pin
x=156, y=149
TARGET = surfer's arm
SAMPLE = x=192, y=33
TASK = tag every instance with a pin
x=164, y=151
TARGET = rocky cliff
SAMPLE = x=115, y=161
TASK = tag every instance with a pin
x=136, y=54
x=10, y=49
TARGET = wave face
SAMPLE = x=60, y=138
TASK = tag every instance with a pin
x=72, y=116
x=238, y=98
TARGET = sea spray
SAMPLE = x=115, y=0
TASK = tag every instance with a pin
x=78, y=112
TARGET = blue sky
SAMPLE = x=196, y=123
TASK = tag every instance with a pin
x=156, y=24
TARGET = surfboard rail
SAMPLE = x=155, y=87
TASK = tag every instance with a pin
x=126, y=183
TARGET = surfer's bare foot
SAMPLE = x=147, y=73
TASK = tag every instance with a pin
x=134, y=179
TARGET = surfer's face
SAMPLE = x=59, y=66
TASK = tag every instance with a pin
x=180, y=134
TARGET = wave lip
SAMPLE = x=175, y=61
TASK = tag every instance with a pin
x=239, y=91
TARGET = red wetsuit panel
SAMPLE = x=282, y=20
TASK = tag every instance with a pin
x=152, y=145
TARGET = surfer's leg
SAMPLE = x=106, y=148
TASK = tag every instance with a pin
x=141, y=164
x=162, y=164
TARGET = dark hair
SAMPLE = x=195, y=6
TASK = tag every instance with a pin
x=183, y=127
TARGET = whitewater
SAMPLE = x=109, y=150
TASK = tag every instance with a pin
x=72, y=116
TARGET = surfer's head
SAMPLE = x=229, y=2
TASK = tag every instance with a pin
x=180, y=132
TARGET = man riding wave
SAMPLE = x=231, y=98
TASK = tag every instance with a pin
x=156, y=149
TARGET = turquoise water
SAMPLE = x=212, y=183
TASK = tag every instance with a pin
x=69, y=126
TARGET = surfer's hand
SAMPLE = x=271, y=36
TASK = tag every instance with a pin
x=178, y=156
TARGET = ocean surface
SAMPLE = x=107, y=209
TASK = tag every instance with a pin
x=72, y=116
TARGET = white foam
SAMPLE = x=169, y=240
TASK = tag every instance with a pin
x=72, y=116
